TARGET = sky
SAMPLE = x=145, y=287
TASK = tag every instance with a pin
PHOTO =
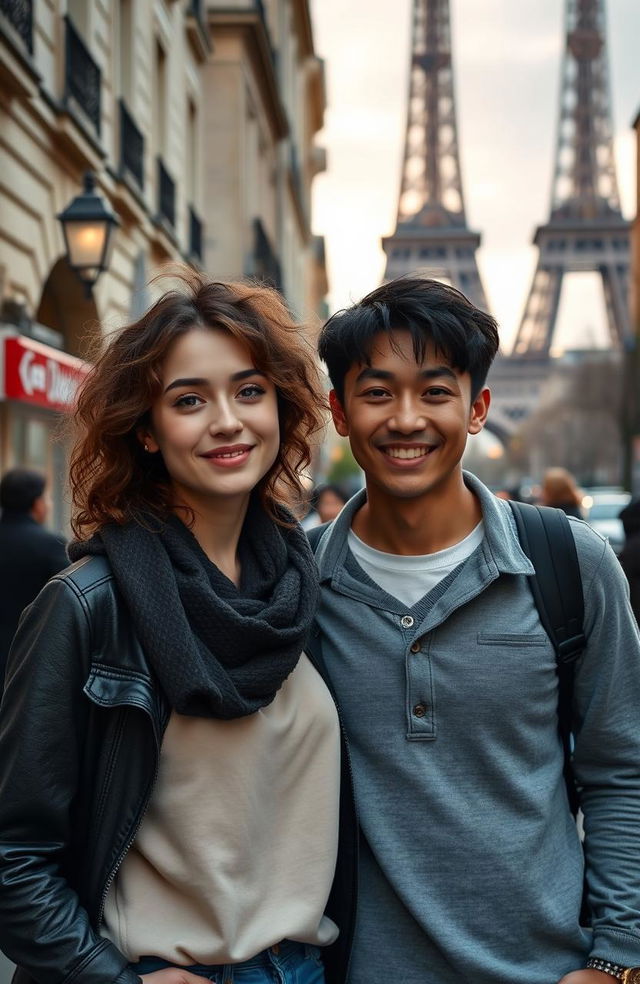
x=507, y=57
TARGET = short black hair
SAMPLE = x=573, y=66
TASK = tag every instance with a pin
x=19, y=489
x=432, y=312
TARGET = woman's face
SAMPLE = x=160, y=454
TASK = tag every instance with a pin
x=215, y=421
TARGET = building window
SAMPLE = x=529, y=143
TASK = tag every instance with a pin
x=82, y=76
x=160, y=100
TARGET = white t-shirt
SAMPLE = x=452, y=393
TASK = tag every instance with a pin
x=410, y=578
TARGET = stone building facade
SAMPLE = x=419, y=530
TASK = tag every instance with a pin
x=198, y=120
x=635, y=241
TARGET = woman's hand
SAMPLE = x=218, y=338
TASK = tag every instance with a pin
x=171, y=975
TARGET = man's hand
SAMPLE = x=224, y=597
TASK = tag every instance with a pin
x=176, y=975
x=587, y=976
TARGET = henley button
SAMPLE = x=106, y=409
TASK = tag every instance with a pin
x=415, y=646
x=420, y=710
x=406, y=621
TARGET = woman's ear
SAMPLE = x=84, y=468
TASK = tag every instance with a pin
x=147, y=440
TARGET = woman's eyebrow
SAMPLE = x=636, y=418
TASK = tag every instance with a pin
x=193, y=381
x=200, y=381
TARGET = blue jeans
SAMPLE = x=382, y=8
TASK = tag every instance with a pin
x=285, y=963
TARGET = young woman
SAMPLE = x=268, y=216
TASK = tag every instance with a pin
x=169, y=756
x=559, y=489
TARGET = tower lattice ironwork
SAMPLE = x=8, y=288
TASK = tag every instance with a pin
x=585, y=230
x=431, y=235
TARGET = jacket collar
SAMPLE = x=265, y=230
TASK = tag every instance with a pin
x=501, y=542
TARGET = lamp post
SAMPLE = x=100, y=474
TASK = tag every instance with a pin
x=88, y=225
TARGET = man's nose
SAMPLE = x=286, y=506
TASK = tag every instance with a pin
x=408, y=416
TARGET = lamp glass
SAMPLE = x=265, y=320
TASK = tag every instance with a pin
x=86, y=243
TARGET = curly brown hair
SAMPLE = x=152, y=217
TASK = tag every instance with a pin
x=112, y=479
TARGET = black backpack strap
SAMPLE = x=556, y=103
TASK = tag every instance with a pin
x=546, y=538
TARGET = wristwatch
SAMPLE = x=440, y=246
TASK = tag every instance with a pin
x=628, y=975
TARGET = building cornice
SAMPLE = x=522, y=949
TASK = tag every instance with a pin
x=304, y=29
x=317, y=91
x=250, y=24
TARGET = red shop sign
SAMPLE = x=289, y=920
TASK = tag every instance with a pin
x=37, y=374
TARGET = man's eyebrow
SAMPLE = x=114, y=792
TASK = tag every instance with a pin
x=437, y=371
x=201, y=381
x=434, y=373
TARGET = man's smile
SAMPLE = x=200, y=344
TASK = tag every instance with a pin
x=407, y=451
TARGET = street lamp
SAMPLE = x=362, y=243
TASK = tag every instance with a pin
x=88, y=225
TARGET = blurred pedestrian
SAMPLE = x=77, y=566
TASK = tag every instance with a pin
x=629, y=557
x=29, y=553
x=559, y=489
x=169, y=756
x=326, y=501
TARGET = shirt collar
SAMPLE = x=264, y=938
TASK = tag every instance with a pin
x=501, y=536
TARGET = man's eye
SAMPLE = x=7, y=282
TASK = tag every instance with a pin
x=376, y=393
x=188, y=400
x=437, y=391
x=251, y=392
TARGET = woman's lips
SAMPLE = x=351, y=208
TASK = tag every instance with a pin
x=229, y=457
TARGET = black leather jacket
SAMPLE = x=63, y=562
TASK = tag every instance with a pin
x=81, y=725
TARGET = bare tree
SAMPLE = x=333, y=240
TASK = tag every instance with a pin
x=578, y=424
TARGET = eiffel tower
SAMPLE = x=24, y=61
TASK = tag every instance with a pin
x=586, y=230
x=431, y=235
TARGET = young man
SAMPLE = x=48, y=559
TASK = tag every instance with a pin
x=470, y=864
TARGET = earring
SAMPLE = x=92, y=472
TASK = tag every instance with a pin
x=146, y=447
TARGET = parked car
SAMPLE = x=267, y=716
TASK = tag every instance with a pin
x=602, y=513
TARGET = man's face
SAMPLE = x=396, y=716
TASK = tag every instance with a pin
x=42, y=507
x=407, y=422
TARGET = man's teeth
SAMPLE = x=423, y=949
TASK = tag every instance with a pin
x=406, y=452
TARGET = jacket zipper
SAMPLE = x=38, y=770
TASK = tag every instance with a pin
x=136, y=827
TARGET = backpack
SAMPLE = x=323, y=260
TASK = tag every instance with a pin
x=546, y=538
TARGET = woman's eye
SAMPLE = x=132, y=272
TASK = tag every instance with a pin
x=251, y=392
x=188, y=400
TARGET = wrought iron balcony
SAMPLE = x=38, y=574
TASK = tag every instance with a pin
x=266, y=265
x=131, y=147
x=195, y=235
x=265, y=23
x=82, y=80
x=166, y=195
x=19, y=14
x=196, y=9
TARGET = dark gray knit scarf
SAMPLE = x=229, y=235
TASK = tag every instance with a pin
x=217, y=650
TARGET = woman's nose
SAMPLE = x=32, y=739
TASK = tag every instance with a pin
x=225, y=420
